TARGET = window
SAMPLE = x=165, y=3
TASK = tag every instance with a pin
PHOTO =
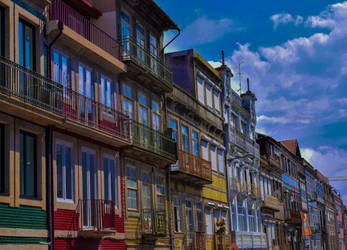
x=28, y=165
x=244, y=128
x=65, y=171
x=185, y=139
x=225, y=218
x=107, y=92
x=142, y=99
x=155, y=116
x=89, y=174
x=251, y=219
x=153, y=49
x=146, y=190
x=128, y=104
x=199, y=217
x=201, y=96
x=177, y=214
x=195, y=143
x=85, y=83
x=26, y=38
x=241, y=217
x=208, y=218
x=221, y=161
x=213, y=157
x=209, y=95
x=173, y=125
x=110, y=179
x=2, y=32
x=270, y=149
x=2, y=157
x=216, y=101
x=140, y=40
x=61, y=68
x=204, y=150
x=189, y=216
x=131, y=187
x=125, y=30
x=161, y=194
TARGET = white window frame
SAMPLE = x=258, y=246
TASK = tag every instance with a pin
x=107, y=93
x=132, y=188
x=201, y=92
x=214, y=161
x=65, y=144
x=209, y=94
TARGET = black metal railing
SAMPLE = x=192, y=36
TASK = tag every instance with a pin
x=152, y=140
x=96, y=215
x=30, y=87
x=144, y=58
x=153, y=221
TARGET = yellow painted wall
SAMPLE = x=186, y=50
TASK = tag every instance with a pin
x=132, y=227
x=217, y=190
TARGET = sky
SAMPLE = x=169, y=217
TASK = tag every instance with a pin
x=295, y=54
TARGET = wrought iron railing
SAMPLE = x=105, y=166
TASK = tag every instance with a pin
x=30, y=87
x=91, y=113
x=153, y=140
x=59, y=10
x=96, y=215
x=194, y=165
x=153, y=221
x=144, y=58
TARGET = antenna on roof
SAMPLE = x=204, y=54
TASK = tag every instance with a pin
x=223, y=57
x=240, y=74
x=247, y=84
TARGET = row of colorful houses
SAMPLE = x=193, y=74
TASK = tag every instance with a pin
x=108, y=143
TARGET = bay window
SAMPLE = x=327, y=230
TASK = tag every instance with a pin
x=65, y=171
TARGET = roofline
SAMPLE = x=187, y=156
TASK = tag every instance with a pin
x=172, y=24
x=197, y=56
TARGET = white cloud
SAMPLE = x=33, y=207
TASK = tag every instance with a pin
x=206, y=30
x=264, y=118
x=215, y=64
x=286, y=18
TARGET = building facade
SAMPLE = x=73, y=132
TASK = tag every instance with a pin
x=198, y=179
x=243, y=162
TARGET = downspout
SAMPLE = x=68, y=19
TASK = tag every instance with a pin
x=49, y=178
x=178, y=33
x=49, y=135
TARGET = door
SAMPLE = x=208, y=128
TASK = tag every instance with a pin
x=86, y=94
x=26, y=39
x=90, y=192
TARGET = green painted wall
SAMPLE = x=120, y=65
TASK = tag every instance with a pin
x=23, y=217
x=21, y=240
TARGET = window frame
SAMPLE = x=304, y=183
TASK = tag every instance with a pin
x=61, y=54
x=31, y=26
x=185, y=138
x=157, y=193
x=104, y=92
x=136, y=189
x=143, y=107
x=156, y=114
x=64, y=199
x=190, y=227
x=177, y=209
x=128, y=99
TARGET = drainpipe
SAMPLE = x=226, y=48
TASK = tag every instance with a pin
x=169, y=208
x=178, y=33
x=49, y=180
x=49, y=145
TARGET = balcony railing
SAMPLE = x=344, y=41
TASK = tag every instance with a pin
x=59, y=10
x=90, y=113
x=30, y=87
x=153, y=140
x=246, y=143
x=96, y=215
x=153, y=222
x=134, y=52
x=200, y=240
x=194, y=165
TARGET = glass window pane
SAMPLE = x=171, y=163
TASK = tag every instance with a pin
x=132, y=199
x=106, y=179
x=131, y=177
x=69, y=173
x=59, y=163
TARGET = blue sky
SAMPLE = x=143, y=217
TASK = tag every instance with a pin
x=295, y=54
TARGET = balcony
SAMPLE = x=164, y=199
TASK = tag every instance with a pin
x=272, y=203
x=292, y=216
x=83, y=37
x=96, y=217
x=153, y=223
x=91, y=118
x=27, y=94
x=151, y=145
x=148, y=67
x=192, y=168
x=246, y=143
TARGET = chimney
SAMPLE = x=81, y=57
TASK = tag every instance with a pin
x=223, y=57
